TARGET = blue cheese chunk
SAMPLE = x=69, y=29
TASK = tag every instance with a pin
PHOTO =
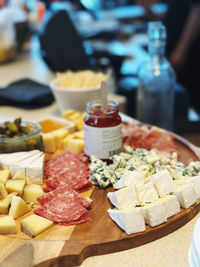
x=131, y=221
x=163, y=183
x=125, y=198
x=185, y=195
x=155, y=213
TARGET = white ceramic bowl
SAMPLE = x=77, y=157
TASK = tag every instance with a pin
x=68, y=98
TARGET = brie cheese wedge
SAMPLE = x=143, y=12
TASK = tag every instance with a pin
x=35, y=170
x=130, y=178
x=172, y=205
x=155, y=213
x=124, y=198
x=147, y=193
x=131, y=221
x=163, y=183
x=185, y=195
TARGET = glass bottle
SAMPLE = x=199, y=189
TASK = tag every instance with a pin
x=155, y=96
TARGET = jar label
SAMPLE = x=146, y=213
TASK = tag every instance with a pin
x=102, y=142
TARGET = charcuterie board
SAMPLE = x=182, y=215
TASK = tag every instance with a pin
x=70, y=245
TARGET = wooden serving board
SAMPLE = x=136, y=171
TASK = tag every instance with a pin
x=69, y=246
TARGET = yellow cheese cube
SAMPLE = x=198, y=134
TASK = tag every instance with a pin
x=67, y=113
x=19, y=175
x=18, y=207
x=79, y=135
x=7, y=225
x=15, y=185
x=66, y=140
x=79, y=123
x=74, y=116
x=49, y=143
x=34, y=225
x=59, y=135
x=4, y=176
x=4, y=203
x=75, y=145
x=3, y=192
x=32, y=192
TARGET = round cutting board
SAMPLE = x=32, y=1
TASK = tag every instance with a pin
x=70, y=245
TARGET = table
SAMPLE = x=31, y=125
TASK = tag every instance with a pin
x=171, y=250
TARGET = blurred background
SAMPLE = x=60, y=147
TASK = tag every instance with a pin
x=44, y=37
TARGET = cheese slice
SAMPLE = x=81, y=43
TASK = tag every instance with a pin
x=185, y=195
x=10, y=160
x=130, y=178
x=21, y=165
x=35, y=170
x=32, y=192
x=3, y=192
x=155, y=213
x=18, y=207
x=147, y=193
x=131, y=221
x=4, y=203
x=7, y=225
x=34, y=225
x=4, y=176
x=125, y=198
x=172, y=205
x=163, y=183
x=15, y=185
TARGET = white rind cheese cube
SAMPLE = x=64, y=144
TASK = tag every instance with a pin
x=172, y=205
x=130, y=178
x=147, y=193
x=194, y=181
x=131, y=221
x=185, y=195
x=163, y=183
x=124, y=198
x=154, y=213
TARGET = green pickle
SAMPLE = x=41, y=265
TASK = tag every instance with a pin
x=15, y=136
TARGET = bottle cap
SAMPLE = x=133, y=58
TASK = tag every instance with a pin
x=156, y=31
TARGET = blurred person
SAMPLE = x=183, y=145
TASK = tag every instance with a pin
x=183, y=44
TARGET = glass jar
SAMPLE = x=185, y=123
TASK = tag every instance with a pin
x=102, y=130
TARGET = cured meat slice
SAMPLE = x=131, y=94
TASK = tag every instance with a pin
x=63, y=210
x=165, y=143
x=66, y=189
x=67, y=160
x=132, y=135
x=138, y=137
x=77, y=181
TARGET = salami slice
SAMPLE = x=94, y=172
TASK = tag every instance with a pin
x=67, y=161
x=77, y=181
x=66, y=189
x=63, y=210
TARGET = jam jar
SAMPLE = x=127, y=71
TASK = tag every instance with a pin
x=102, y=130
